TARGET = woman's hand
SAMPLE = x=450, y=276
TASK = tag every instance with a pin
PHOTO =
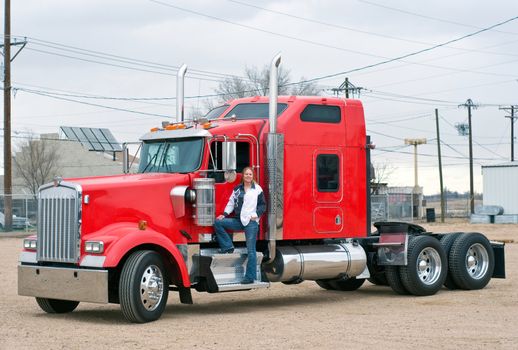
x=220, y=217
x=253, y=217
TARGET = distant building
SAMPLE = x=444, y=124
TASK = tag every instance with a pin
x=501, y=186
x=75, y=160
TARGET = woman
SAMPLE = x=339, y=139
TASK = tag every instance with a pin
x=248, y=204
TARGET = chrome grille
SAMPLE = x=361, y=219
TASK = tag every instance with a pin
x=58, y=223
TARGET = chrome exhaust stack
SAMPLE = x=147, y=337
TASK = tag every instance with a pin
x=180, y=78
x=275, y=165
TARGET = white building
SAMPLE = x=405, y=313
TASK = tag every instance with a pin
x=500, y=184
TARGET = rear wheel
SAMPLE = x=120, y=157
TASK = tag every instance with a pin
x=143, y=287
x=472, y=261
x=325, y=284
x=427, y=266
x=447, y=242
x=56, y=306
x=347, y=285
x=378, y=279
x=394, y=280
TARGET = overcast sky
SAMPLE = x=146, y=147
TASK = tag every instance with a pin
x=118, y=51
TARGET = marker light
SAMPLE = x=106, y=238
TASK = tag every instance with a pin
x=94, y=247
x=154, y=129
x=207, y=125
x=142, y=225
x=29, y=243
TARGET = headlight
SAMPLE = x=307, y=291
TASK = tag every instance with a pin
x=29, y=243
x=94, y=247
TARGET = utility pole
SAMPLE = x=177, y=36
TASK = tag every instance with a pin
x=8, y=192
x=417, y=190
x=512, y=117
x=470, y=105
x=8, y=199
x=348, y=88
x=440, y=162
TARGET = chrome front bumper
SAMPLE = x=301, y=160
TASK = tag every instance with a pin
x=63, y=283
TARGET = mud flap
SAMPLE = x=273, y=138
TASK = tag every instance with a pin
x=498, y=249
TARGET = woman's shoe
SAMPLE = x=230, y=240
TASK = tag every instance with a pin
x=247, y=280
x=228, y=251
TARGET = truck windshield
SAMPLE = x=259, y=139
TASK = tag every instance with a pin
x=171, y=156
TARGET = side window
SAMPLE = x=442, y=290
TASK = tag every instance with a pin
x=216, y=161
x=327, y=172
x=321, y=114
x=243, y=156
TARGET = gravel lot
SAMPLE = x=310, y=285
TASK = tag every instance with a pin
x=281, y=317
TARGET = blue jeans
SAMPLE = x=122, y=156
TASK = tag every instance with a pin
x=225, y=242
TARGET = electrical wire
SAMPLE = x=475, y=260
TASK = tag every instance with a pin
x=356, y=30
x=427, y=17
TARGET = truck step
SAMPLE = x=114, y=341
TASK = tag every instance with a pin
x=228, y=287
x=224, y=272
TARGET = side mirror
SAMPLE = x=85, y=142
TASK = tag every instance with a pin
x=125, y=158
x=229, y=156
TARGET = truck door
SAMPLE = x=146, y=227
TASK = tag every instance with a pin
x=223, y=188
x=328, y=190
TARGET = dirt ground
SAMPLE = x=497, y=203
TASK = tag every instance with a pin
x=303, y=316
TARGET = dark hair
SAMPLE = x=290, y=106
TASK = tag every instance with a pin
x=243, y=174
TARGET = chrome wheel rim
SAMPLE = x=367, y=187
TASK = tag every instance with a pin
x=477, y=261
x=429, y=266
x=151, y=287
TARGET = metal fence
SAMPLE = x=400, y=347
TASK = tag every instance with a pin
x=25, y=211
x=392, y=207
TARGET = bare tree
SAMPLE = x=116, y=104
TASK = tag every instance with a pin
x=36, y=161
x=257, y=81
x=382, y=172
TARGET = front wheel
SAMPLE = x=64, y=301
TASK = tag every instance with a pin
x=56, y=306
x=143, y=287
x=427, y=266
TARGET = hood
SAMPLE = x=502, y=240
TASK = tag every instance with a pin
x=130, y=198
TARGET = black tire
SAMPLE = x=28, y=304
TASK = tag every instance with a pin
x=427, y=266
x=394, y=280
x=472, y=261
x=146, y=303
x=292, y=282
x=377, y=273
x=346, y=285
x=379, y=279
x=325, y=284
x=56, y=306
x=447, y=242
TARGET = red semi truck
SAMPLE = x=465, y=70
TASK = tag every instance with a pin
x=130, y=239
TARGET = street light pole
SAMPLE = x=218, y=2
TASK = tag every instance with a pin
x=417, y=190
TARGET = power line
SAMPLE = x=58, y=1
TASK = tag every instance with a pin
x=98, y=105
x=427, y=17
x=386, y=59
x=356, y=30
x=399, y=58
x=124, y=59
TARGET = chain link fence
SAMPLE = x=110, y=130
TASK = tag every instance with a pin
x=392, y=207
x=25, y=211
